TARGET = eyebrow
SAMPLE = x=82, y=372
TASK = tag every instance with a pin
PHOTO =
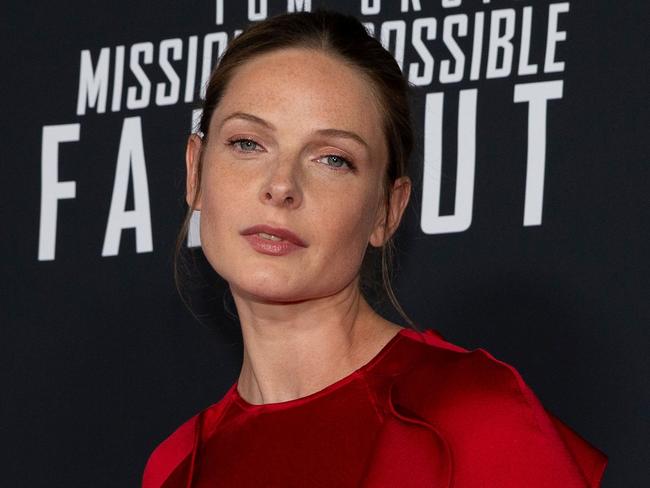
x=346, y=134
x=249, y=117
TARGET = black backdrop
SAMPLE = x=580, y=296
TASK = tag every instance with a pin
x=545, y=267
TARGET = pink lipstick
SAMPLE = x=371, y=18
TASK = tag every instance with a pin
x=274, y=241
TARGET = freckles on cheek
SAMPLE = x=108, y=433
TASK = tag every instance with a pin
x=219, y=184
x=219, y=207
x=351, y=228
x=214, y=198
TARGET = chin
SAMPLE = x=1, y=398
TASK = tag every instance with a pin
x=276, y=295
x=266, y=285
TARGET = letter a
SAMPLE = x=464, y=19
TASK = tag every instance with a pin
x=130, y=159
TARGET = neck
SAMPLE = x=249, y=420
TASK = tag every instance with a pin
x=295, y=349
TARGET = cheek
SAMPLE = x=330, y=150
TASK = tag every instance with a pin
x=346, y=226
x=216, y=200
x=222, y=211
x=222, y=191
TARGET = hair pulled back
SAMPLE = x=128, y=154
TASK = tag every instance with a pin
x=345, y=38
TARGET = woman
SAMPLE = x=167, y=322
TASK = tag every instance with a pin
x=299, y=171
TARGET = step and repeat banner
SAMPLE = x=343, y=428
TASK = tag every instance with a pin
x=526, y=232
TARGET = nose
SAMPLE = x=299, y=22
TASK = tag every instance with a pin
x=282, y=188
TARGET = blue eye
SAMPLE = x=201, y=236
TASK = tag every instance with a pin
x=338, y=161
x=244, y=145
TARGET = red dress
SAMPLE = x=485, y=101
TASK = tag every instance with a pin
x=421, y=413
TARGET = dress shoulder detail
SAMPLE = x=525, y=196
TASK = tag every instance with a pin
x=409, y=452
x=180, y=445
x=169, y=454
x=491, y=419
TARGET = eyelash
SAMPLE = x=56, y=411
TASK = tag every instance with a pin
x=350, y=164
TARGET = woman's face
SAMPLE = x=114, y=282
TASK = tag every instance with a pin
x=296, y=143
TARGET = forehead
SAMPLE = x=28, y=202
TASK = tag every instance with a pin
x=304, y=88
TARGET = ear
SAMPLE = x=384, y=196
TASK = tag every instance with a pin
x=192, y=157
x=400, y=194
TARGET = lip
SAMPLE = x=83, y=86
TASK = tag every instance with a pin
x=290, y=242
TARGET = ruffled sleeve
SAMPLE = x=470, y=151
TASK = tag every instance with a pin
x=494, y=430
